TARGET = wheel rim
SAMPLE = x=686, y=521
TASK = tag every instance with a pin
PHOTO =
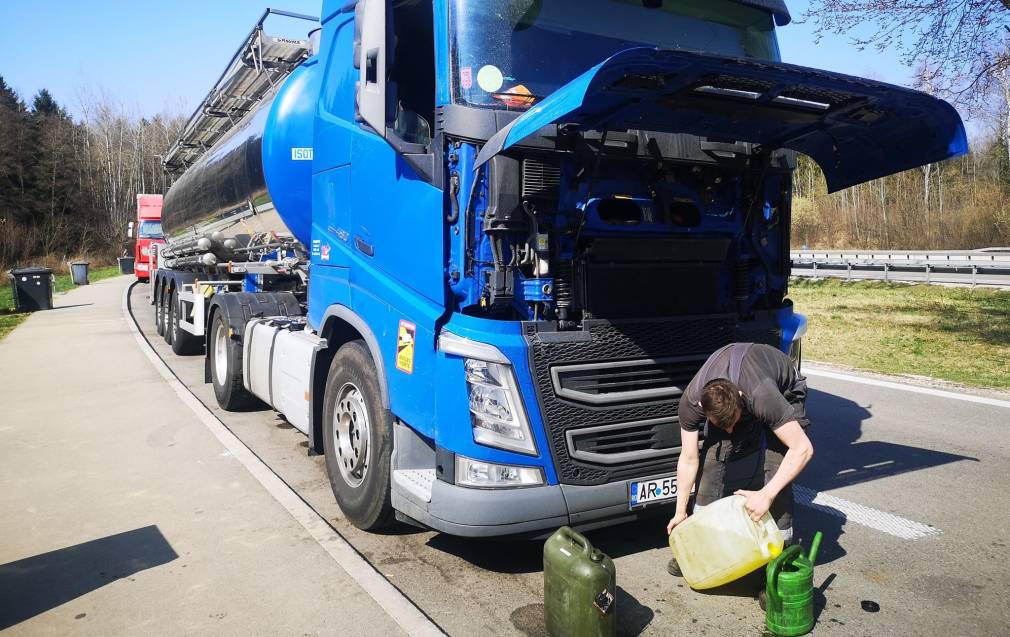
x=220, y=355
x=351, y=429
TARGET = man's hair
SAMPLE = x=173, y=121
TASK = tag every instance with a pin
x=721, y=402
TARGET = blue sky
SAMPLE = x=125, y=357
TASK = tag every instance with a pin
x=156, y=55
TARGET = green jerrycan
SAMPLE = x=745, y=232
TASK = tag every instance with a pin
x=790, y=591
x=580, y=587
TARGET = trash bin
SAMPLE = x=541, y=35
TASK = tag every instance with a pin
x=126, y=265
x=79, y=272
x=33, y=289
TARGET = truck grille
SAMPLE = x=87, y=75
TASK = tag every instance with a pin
x=600, y=430
x=620, y=381
x=624, y=442
x=541, y=179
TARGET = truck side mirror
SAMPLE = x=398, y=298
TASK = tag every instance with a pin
x=372, y=49
x=129, y=230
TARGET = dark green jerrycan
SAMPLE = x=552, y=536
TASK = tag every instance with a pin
x=580, y=587
x=790, y=591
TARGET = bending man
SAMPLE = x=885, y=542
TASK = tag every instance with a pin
x=742, y=393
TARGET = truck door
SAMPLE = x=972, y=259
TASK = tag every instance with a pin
x=397, y=201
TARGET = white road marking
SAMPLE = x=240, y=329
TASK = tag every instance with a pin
x=851, y=512
x=915, y=389
x=391, y=600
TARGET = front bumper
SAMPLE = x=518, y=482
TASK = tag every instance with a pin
x=531, y=512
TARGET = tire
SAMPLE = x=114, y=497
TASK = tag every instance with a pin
x=183, y=343
x=159, y=318
x=225, y=357
x=358, y=439
x=166, y=313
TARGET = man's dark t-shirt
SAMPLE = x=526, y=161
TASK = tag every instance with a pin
x=773, y=394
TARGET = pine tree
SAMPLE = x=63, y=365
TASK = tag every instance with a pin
x=14, y=135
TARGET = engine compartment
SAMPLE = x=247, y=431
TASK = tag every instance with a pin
x=610, y=226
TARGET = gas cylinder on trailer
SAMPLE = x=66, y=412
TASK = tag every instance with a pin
x=580, y=587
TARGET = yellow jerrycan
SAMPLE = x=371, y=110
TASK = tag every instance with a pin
x=720, y=543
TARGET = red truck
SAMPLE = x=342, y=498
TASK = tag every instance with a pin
x=148, y=234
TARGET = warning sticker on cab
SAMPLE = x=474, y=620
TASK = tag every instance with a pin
x=405, y=339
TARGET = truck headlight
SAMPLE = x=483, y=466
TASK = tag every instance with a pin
x=488, y=475
x=497, y=417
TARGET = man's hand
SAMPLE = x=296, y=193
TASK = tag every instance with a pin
x=758, y=503
x=677, y=519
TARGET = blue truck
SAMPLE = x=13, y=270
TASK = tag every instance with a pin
x=475, y=250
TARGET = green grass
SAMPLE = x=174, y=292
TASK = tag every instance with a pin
x=9, y=319
x=954, y=334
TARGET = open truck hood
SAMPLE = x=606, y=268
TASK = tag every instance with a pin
x=855, y=129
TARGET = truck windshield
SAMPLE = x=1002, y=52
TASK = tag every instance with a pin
x=149, y=230
x=511, y=53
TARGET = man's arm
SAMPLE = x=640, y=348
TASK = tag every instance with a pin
x=799, y=454
x=687, y=471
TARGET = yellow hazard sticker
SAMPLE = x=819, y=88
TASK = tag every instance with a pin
x=406, y=338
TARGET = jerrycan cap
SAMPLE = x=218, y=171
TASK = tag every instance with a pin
x=596, y=555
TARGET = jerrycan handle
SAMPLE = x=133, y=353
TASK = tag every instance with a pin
x=575, y=537
x=771, y=585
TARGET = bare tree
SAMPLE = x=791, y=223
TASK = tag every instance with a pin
x=1003, y=82
x=960, y=42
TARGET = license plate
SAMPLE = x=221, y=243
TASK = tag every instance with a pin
x=656, y=490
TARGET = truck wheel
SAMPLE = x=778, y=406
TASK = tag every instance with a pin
x=225, y=357
x=159, y=318
x=358, y=439
x=166, y=314
x=183, y=343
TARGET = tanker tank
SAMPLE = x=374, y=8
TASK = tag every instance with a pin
x=256, y=179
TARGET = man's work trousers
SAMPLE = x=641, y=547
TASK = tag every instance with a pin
x=720, y=477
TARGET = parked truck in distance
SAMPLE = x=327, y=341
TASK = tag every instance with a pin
x=475, y=250
x=147, y=234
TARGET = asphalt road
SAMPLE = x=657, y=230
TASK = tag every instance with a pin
x=910, y=490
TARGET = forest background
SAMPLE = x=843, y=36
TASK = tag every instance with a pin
x=68, y=182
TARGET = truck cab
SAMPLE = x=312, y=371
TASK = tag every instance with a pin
x=148, y=234
x=549, y=217
x=475, y=251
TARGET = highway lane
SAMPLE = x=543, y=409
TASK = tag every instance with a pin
x=933, y=461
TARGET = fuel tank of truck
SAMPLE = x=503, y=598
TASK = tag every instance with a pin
x=258, y=177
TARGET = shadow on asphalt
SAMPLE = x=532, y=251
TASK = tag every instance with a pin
x=632, y=617
x=526, y=555
x=809, y=521
x=520, y=556
x=843, y=460
x=36, y=584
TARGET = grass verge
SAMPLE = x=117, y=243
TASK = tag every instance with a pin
x=9, y=319
x=954, y=334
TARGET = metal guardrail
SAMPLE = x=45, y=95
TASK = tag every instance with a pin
x=989, y=267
